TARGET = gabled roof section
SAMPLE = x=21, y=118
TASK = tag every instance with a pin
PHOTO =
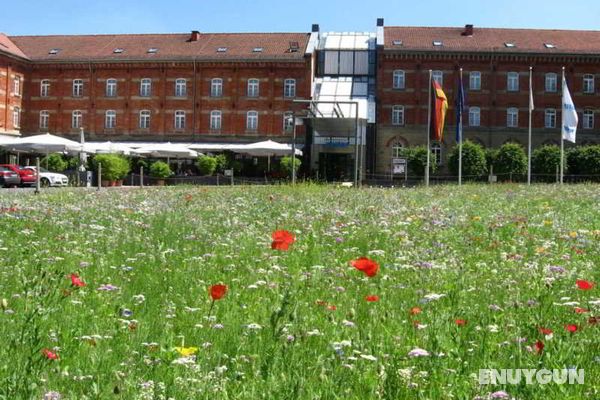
x=8, y=47
x=205, y=46
x=492, y=40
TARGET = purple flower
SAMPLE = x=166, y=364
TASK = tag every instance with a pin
x=501, y=394
x=108, y=288
x=52, y=396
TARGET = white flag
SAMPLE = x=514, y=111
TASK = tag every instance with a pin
x=531, y=105
x=569, y=115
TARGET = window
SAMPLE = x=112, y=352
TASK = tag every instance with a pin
x=146, y=87
x=76, y=117
x=588, y=119
x=512, y=117
x=398, y=115
x=436, y=149
x=588, y=84
x=110, y=119
x=16, y=117
x=438, y=76
x=180, y=88
x=510, y=45
x=474, y=116
x=215, y=119
x=512, y=82
x=44, y=119
x=475, y=80
x=145, y=119
x=399, y=82
x=438, y=43
x=397, y=150
x=216, y=87
x=180, y=119
x=550, y=118
x=551, y=82
x=111, y=87
x=288, y=121
x=17, y=86
x=77, y=87
x=253, y=87
x=45, y=88
x=289, y=88
x=252, y=120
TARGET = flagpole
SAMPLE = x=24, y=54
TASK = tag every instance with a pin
x=460, y=133
x=562, y=125
x=530, y=116
x=428, y=132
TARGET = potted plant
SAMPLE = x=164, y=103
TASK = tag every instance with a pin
x=114, y=168
x=160, y=171
x=207, y=165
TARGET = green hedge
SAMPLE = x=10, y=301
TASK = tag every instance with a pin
x=474, y=163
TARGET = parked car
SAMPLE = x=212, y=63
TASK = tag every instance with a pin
x=48, y=178
x=9, y=178
x=28, y=176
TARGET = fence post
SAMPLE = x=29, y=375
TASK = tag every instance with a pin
x=142, y=176
x=99, y=175
x=232, y=177
x=37, y=179
x=218, y=179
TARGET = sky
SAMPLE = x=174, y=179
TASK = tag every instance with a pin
x=42, y=17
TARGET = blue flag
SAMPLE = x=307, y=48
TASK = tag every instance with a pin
x=460, y=106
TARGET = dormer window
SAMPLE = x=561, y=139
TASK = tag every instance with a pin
x=152, y=50
x=53, y=51
x=294, y=47
x=510, y=45
x=257, y=50
x=438, y=43
x=118, y=51
x=397, y=42
x=549, y=45
x=222, y=50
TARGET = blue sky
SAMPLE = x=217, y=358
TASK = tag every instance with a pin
x=30, y=17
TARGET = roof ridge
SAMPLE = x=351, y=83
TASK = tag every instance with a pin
x=157, y=34
x=493, y=28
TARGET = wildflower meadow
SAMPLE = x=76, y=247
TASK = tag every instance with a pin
x=305, y=292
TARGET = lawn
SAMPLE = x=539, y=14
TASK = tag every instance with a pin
x=106, y=295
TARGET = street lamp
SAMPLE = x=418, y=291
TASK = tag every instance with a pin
x=292, y=119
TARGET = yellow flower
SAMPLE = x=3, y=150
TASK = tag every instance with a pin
x=540, y=250
x=477, y=218
x=186, y=351
x=573, y=234
x=548, y=222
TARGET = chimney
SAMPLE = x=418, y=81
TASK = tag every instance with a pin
x=379, y=21
x=315, y=28
x=468, y=30
x=195, y=36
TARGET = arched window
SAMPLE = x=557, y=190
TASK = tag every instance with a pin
x=44, y=119
x=215, y=119
x=252, y=120
x=180, y=87
x=253, y=87
x=399, y=79
x=76, y=119
x=110, y=119
x=111, y=87
x=289, y=88
x=474, y=116
x=397, y=150
x=146, y=87
x=179, y=119
x=145, y=119
x=216, y=87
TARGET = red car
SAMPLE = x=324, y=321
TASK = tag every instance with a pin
x=28, y=177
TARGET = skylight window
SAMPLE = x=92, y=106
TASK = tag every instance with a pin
x=54, y=51
x=294, y=47
x=222, y=50
x=397, y=42
x=118, y=51
x=438, y=43
x=153, y=50
x=510, y=45
x=549, y=46
x=257, y=50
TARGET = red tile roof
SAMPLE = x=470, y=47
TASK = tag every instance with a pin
x=493, y=40
x=169, y=46
x=7, y=46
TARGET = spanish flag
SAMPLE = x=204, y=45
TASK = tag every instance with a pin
x=439, y=109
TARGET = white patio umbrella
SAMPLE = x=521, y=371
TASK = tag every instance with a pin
x=267, y=148
x=107, y=148
x=45, y=143
x=167, y=150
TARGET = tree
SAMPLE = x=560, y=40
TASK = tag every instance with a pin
x=286, y=165
x=55, y=162
x=584, y=160
x=545, y=160
x=511, y=160
x=114, y=167
x=160, y=170
x=207, y=165
x=474, y=162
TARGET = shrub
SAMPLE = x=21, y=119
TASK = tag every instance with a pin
x=160, y=170
x=584, y=160
x=417, y=160
x=545, y=159
x=474, y=162
x=55, y=162
x=286, y=165
x=114, y=167
x=222, y=162
x=207, y=165
x=490, y=157
x=511, y=160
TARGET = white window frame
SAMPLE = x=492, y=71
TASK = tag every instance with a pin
x=551, y=82
x=288, y=121
x=111, y=87
x=179, y=119
x=398, y=117
x=474, y=116
x=512, y=117
x=588, y=119
x=397, y=150
x=110, y=119
x=512, y=82
x=550, y=118
x=216, y=87
x=438, y=76
x=16, y=117
x=216, y=119
x=145, y=119
x=76, y=119
x=180, y=87
x=253, y=89
x=252, y=120
x=475, y=80
x=17, y=86
x=589, y=86
x=436, y=149
x=289, y=88
x=399, y=79
x=77, y=88
x=44, y=87
x=146, y=87
x=44, y=119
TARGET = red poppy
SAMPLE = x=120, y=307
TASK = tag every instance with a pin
x=366, y=265
x=546, y=331
x=372, y=299
x=415, y=311
x=571, y=328
x=76, y=281
x=50, y=355
x=218, y=291
x=580, y=310
x=331, y=307
x=584, y=285
x=282, y=240
x=539, y=346
x=460, y=322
